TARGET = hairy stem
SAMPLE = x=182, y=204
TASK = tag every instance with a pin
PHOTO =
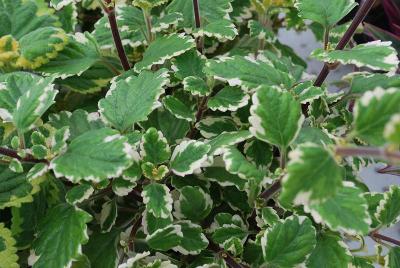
x=110, y=11
x=14, y=154
x=382, y=153
x=358, y=18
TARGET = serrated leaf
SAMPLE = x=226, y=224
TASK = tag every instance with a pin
x=373, y=111
x=164, y=48
x=346, y=211
x=223, y=177
x=131, y=100
x=154, y=147
x=327, y=12
x=196, y=86
x=288, y=243
x=276, y=117
x=360, y=262
x=157, y=199
x=102, y=249
x=193, y=240
x=166, y=238
x=256, y=29
x=330, y=251
x=193, y=204
x=148, y=3
x=376, y=55
x=227, y=232
x=122, y=187
x=246, y=72
x=373, y=200
x=188, y=156
x=388, y=211
x=8, y=251
x=60, y=236
x=153, y=172
x=267, y=216
x=392, y=129
x=313, y=176
x=78, y=55
x=228, y=99
x=222, y=29
x=314, y=135
x=95, y=155
x=392, y=260
x=79, y=193
x=363, y=82
x=25, y=98
x=39, y=46
x=178, y=108
x=226, y=139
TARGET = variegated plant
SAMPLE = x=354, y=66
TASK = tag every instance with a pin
x=183, y=133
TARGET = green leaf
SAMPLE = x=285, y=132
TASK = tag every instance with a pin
x=392, y=260
x=313, y=176
x=60, y=237
x=330, y=251
x=392, y=129
x=388, y=211
x=314, y=135
x=360, y=262
x=260, y=31
x=157, y=199
x=166, y=238
x=193, y=204
x=259, y=153
x=226, y=139
x=306, y=92
x=246, y=72
x=94, y=156
x=108, y=215
x=196, y=86
x=288, y=243
x=25, y=98
x=123, y=187
x=237, y=164
x=15, y=188
x=222, y=29
x=131, y=100
x=178, y=108
x=228, y=99
x=153, y=172
x=373, y=111
x=78, y=55
x=276, y=117
x=226, y=232
x=224, y=178
x=327, y=13
x=373, y=200
x=363, y=82
x=191, y=63
x=29, y=18
x=102, y=249
x=346, y=211
x=164, y=48
x=79, y=193
x=188, y=156
x=148, y=3
x=211, y=127
x=8, y=251
x=376, y=55
x=41, y=45
x=154, y=147
x=151, y=223
x=267, y=216
x=193, y=240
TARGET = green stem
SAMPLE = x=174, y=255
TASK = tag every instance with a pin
x=147, y=20
x=326, y=38
x=282, y=158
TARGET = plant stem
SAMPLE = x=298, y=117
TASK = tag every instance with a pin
x=197, y=21
x=326, y=38
x=27, y=158
x=147, y=20
x=384, y=238
x=282, y=158
x=358, y=18
x=268, y=193
x=135, y=227
x=200, y=110
x=110, y=11
x=375, y=152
